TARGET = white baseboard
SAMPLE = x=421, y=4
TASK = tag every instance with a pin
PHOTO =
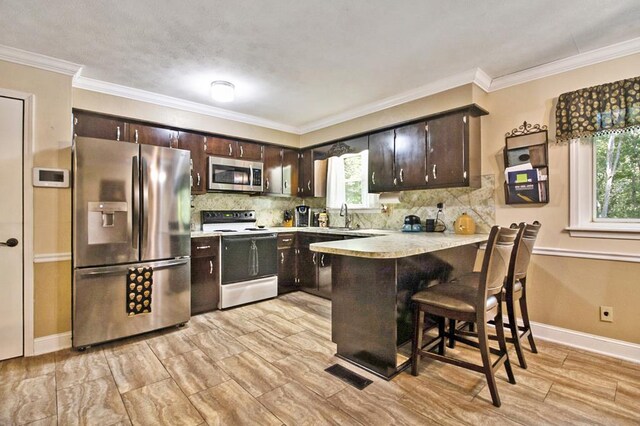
x=51, y=343
x=588, y=342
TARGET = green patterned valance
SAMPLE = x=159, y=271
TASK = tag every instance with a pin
x=599, y=109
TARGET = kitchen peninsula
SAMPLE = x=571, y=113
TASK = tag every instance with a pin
x=373, y=281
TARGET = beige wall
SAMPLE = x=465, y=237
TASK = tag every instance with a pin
x=115, y=105
x=566, y=292
x=51, y=207
x=443, y=101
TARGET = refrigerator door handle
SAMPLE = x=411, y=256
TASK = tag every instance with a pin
x=135, y=202
x=165, y=264
x=144, y=204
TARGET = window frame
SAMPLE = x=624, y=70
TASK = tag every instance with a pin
x=582, y=199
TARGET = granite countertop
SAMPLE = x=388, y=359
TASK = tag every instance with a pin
x=397, y=244
x=309, y=230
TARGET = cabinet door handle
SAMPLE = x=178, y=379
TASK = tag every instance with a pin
x=309, y=184
x=198, y=175
x=314, y=258
x=426, y=177
x=241, y=151
x=211, y=267
x=322, y=260
x=395, y=181
x=118, y=133
x=135, y=137
x=230, y=150
x=401, y=175
x=267, y=182
x=282, y=258
x=285, y=184
x=203, y=247
x=75, y=121
x=191, y=180
x=434, y=171
x=373, y=178
x=464, y=175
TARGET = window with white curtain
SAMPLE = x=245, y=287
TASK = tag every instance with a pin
x=347, y=182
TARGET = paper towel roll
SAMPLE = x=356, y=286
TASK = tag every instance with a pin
x=390, y=197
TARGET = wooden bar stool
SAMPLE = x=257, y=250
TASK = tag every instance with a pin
x=474, y=298
x=515, y=288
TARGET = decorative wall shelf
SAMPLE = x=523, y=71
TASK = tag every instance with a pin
x=526, y=153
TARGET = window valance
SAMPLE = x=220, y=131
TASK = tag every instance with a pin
x=605, y=108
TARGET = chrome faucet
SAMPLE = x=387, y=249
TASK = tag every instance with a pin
x=344, y=211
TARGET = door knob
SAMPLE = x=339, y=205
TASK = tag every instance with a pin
x=11, y=242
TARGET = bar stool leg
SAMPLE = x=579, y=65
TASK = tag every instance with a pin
x=418, y=324
x=483, y=345
x=503, y=346
x=442, y=335
x=524, y=311
x=515, y=333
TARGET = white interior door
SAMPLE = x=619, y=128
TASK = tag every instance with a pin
x=11, y=255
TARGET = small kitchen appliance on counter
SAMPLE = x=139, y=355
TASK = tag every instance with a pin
x=464, y=225
x=249, y=256
x=411, y=224
x=302, y=216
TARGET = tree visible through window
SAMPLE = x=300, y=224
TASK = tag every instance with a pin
x=617, y=176
x=353, y=179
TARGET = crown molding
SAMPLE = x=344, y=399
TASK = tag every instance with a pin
x=93, y=85
x=37, y=60
x=441, y=85
x=482, y=80
x=580, y=60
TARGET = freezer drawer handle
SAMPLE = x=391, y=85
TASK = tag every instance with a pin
x=123, y=268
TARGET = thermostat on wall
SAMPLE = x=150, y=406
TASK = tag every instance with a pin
x=52, y=178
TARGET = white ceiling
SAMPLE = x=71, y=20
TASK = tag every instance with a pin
x=297, y=62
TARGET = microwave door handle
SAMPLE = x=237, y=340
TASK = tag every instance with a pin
x=135, y=202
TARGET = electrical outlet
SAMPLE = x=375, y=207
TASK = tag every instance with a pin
x=606, y=313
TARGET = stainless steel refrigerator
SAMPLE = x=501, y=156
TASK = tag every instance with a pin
x=131, y=239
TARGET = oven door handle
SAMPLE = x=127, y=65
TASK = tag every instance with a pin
x=248, y=238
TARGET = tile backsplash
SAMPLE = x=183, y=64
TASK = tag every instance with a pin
x=269, y=210
x=478, y=203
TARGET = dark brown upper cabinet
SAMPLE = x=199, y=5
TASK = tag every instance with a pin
x=151, y=135
x=249, y=151
x=305, y=173
x=381, y=161
x=272, y=170
x=312, y=173
x=280, y=171
x=99, y=126
x=410, y=156
x=289, y=172
x=222, y=147
x=196, y=144
x=453, y=150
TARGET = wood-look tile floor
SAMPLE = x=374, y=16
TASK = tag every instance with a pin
x=264, y=364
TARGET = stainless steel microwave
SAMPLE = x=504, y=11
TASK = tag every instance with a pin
x=230, y=174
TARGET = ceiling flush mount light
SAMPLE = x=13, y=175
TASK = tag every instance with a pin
x=222, y=91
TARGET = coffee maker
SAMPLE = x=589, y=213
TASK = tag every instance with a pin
x=302, y=216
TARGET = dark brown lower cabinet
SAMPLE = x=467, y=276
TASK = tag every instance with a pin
x=287, y=265
x=314, y=269
x=205, y=274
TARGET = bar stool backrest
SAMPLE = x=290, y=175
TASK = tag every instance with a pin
x=495, y=262
x=523, y=255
